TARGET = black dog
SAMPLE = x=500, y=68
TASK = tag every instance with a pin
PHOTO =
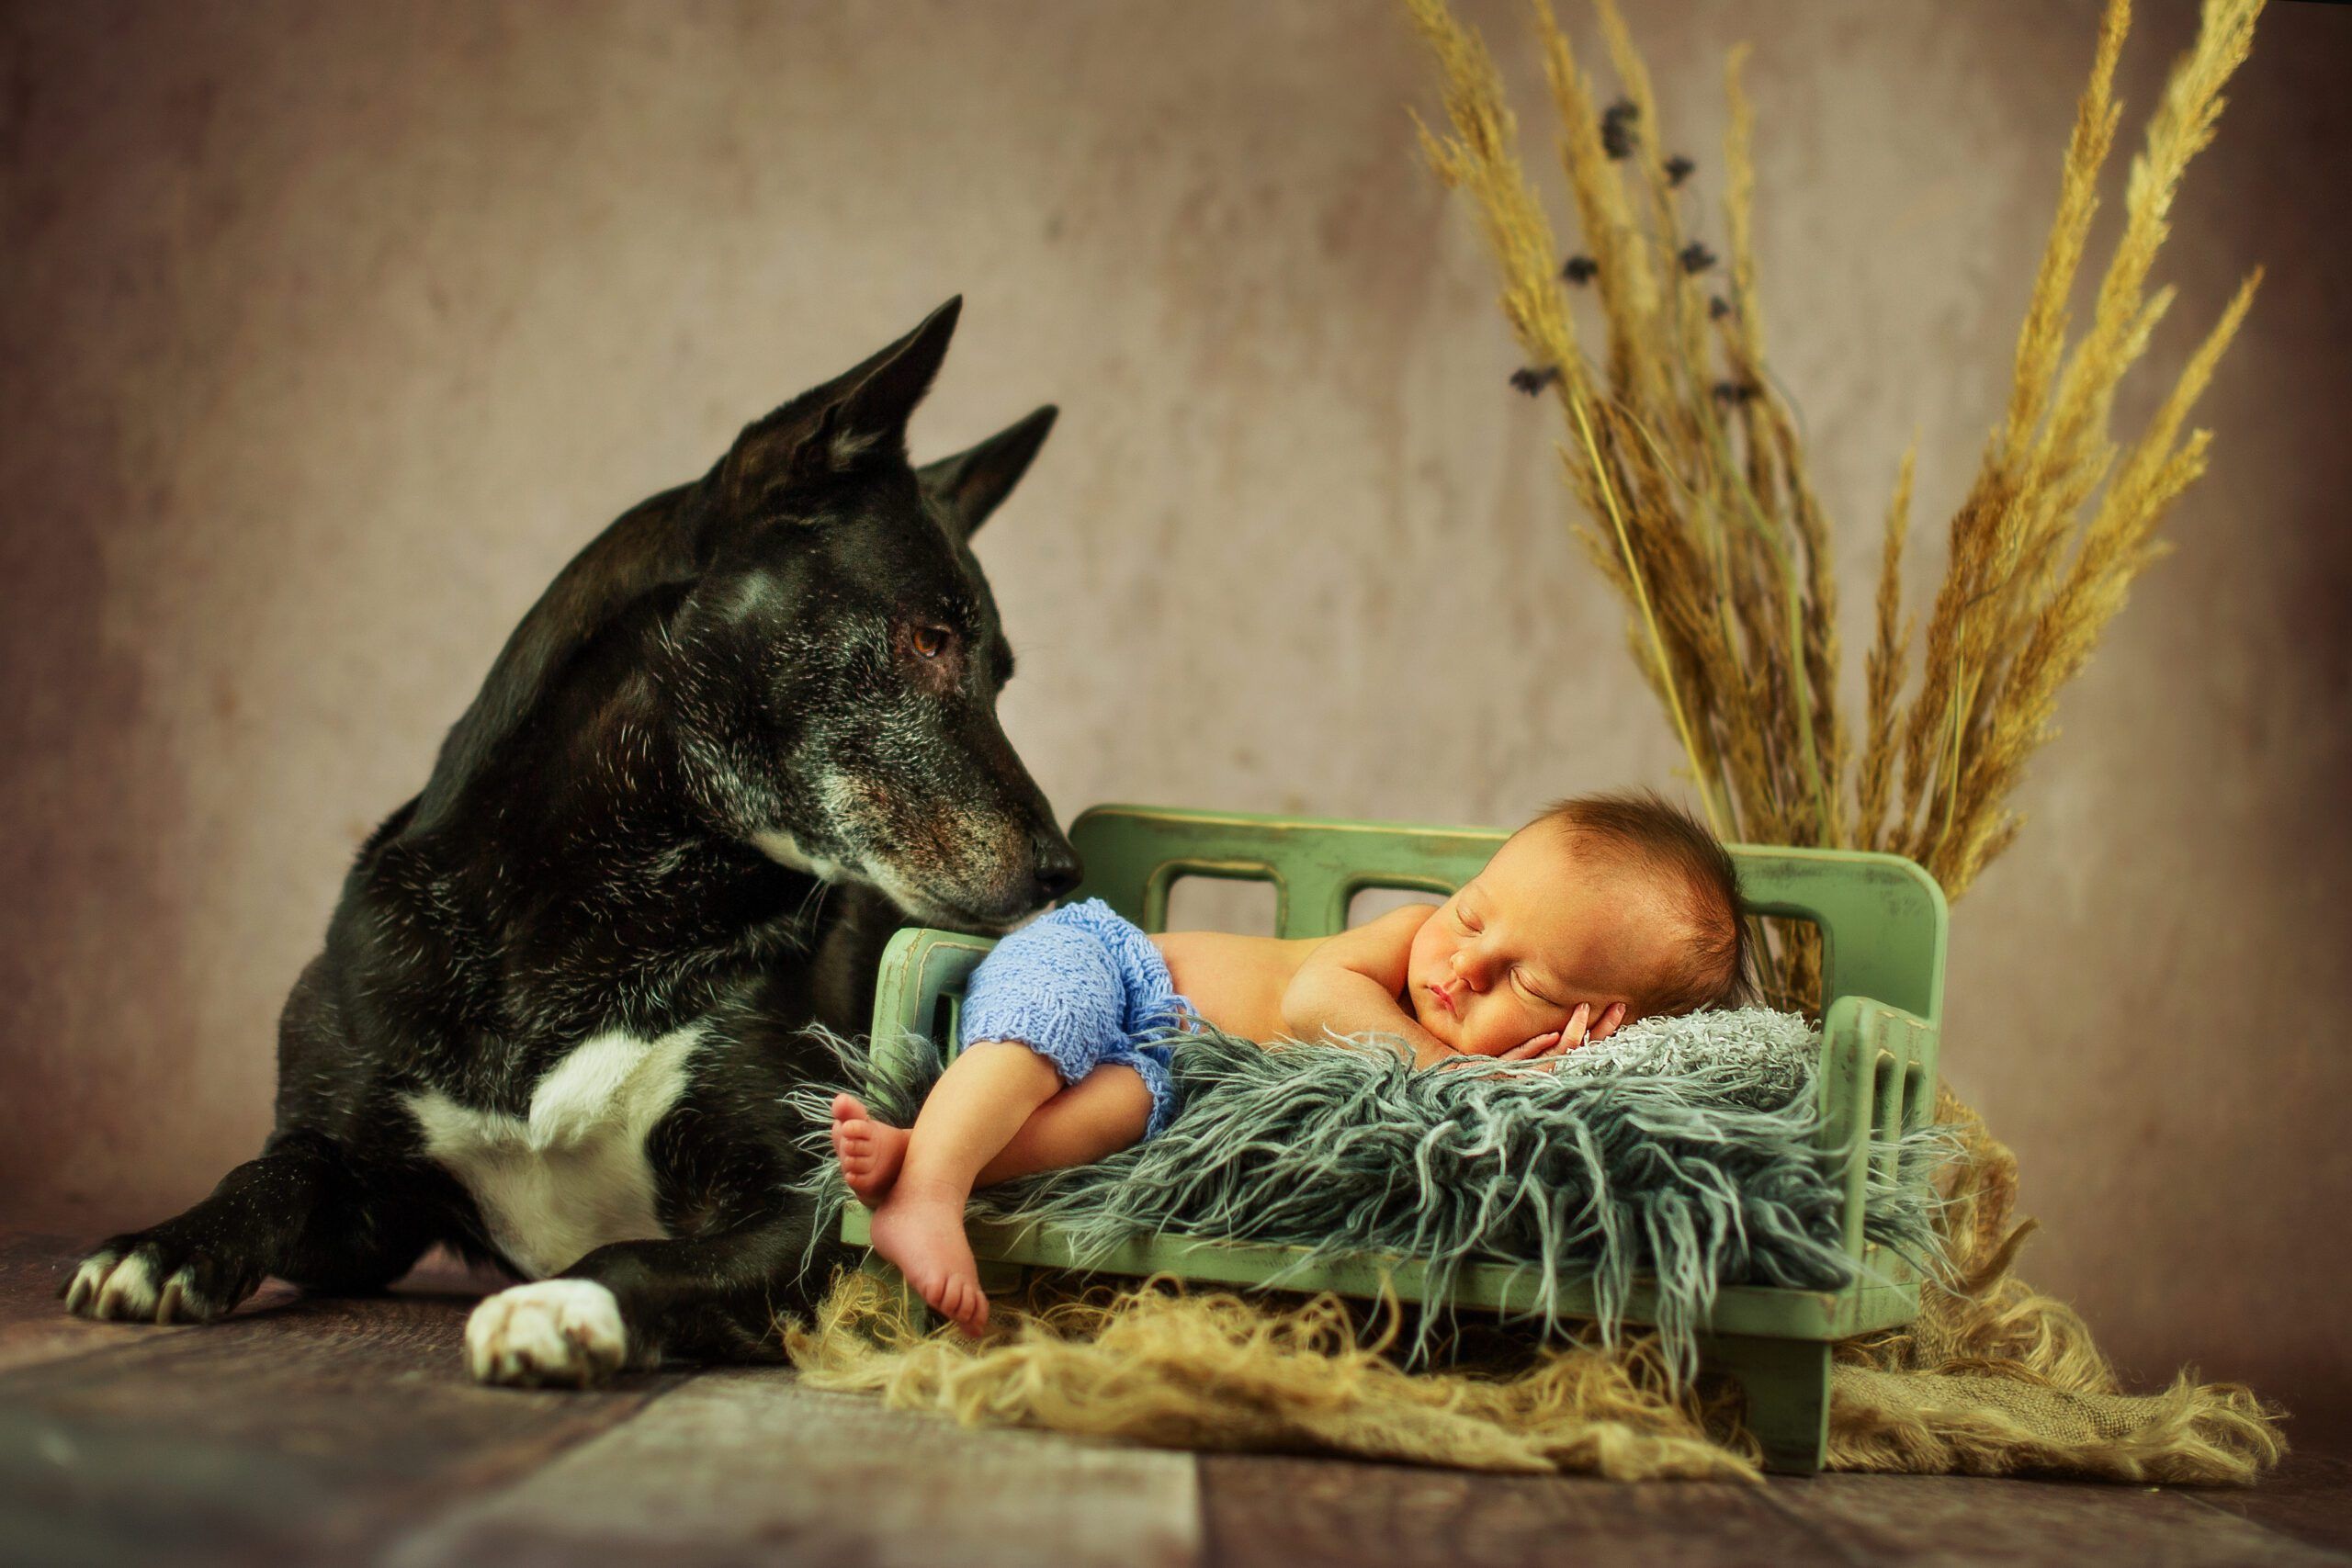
x=744, y=736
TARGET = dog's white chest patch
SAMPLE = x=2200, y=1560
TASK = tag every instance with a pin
x=572, y=1175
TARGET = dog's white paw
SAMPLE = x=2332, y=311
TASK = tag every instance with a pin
x=555, y=1331
x=144, y=1287
x=146, y=1279
x=110, y=1285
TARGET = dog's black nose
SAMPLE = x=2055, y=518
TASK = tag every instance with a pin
x=1058, y=870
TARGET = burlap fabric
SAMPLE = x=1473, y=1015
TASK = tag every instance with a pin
x=1994, y=1379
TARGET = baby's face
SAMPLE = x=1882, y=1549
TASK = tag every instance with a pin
x=1511, y=954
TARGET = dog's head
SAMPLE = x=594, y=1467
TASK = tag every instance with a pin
x=833, y=667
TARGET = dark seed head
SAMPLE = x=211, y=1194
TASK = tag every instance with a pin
x=1580, y=269
x=1695, y=257
x=1735, y=391
x=1617, y=129
x=1717, y=308
x=1534, y=378
x=1678, y=169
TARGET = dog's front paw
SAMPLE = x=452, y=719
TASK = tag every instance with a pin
x=557, y=1331
x=146, y=1279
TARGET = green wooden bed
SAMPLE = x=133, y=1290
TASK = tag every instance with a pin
x=1883, y=921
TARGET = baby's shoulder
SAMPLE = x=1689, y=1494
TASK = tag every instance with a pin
x=1397, y=927
x=1404, y=917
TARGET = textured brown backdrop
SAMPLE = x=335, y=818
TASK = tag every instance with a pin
x=330, y=331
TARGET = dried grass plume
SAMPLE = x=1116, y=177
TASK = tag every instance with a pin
x=1690, y=473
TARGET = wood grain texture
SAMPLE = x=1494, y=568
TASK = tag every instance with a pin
x=34, y=1326
x=746, y=1465
x=2309, y=1497
x=1939, y=1520
x=346, y=1431
x=301, y=1430
x=1275, y=1512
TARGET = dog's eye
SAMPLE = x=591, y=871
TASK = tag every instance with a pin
x=930, y=641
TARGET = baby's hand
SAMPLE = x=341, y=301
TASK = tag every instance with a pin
x=1569, y=1038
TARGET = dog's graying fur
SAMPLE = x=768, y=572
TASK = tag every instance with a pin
x=745, y=734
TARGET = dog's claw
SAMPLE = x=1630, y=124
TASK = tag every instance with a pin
x=81, y=1291
x=130, y=1289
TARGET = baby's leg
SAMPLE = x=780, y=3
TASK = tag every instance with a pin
x=987, y=1093
x=1101, y=1114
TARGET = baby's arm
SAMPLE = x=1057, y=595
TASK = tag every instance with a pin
x=1349, y=986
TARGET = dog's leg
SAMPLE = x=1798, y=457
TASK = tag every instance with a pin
x=633, y=1303
x=298, y=1211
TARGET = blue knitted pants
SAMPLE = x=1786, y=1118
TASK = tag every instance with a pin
x=1082, y=986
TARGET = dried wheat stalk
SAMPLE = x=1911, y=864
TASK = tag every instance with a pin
x=1691, y=477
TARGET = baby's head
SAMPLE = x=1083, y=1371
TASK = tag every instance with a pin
x=1602, y=899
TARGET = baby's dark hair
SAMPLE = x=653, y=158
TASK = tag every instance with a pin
x=1642, y=829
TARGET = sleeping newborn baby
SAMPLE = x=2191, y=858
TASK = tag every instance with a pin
x=1605, y=909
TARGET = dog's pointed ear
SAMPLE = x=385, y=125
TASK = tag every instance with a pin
x=970, y=484
x=861, y=412
x=884, y=390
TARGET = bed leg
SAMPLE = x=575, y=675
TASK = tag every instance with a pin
x=997, y=1279
x=1787, y=1384
x=1001, y=1279
x=886, y=1274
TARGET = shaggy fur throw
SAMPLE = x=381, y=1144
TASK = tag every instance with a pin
x=1681, y=1148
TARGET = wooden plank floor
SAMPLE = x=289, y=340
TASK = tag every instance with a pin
x=348, y=1432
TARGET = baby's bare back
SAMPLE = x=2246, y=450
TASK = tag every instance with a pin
x=1236, y=981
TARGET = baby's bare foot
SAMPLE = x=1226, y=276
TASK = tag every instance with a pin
x=869, y=1153
x=922, y=1233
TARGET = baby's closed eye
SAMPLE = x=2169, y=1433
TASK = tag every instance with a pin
x=1537, y=994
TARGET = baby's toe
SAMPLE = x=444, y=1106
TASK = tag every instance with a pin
x=968, y=1304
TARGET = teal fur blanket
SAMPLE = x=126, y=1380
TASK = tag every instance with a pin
x=1681, y=1148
